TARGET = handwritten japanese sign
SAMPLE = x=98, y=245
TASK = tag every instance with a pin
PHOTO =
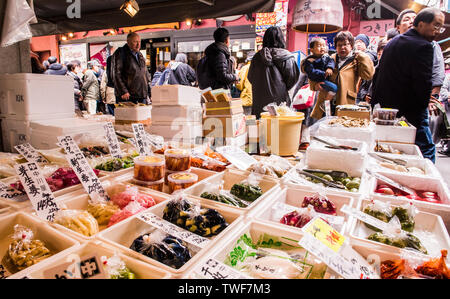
x=38, y=191
x=29, y=153
x=140, y=135
x=376, y=27
x=213, y=269
x=88, y=267
x=9, y=193
x=113, y=142
x=82, y=169
x=174, y=230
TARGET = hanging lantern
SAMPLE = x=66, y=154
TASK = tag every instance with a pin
x=318, y=16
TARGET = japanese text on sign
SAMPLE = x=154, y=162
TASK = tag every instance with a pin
x=10, y=193
x=88, y=267
x=174, y=230
x=38, y=191
x=82, y=169
x=113, y=142
x=141, y=140
x=213, y=269
x=376, y=27
x=30, y=154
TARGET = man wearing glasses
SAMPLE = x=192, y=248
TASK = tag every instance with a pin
x=405, y=75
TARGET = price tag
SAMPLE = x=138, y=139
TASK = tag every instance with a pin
x=364, y=217
x=403, y=123
x=213, y=269
x=89, y=267
x=237, y=156
x=174, y=230
x=141, y=140
x=327, y=108
x=82, y=169
x=325, y=234
x=4, y=273
x=113, y=142
x=38, y=191
x=30, y=154
x=12, y=194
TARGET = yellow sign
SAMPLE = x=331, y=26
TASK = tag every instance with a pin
x=323, y=232
x=403, y=123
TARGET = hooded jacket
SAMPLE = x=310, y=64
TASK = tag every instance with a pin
x=178, y=73
x=218, y=72
x=56, y=69
x=91, y=88
x=273, y=72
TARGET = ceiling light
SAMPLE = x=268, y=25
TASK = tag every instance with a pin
x=71, y=35
x=188, y=22
x=63, y=38
x=131, y=7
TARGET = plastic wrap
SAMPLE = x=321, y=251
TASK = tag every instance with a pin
x=248, y=189
x=24, y=251
x=215, y=192
x=191, y=216
x=102, y=211
x=116, y=164
x=116, y=268
x=131, y=209
x=162, y=247
x=281, y=109
x=131, y=193
x=300, y=217
x=273, y=166
x=320, y=203
x=79, y=221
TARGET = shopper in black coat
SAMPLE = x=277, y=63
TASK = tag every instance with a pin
x=180, y=72
x=273, y=72
x=215, y=69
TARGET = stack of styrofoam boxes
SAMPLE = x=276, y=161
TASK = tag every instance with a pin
x=128, y=115
x=177, y=113
x=32, y=97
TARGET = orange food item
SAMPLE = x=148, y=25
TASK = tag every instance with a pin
x=435, y=267
x=392, y=269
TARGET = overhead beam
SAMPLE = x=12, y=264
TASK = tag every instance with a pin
x=208, y=2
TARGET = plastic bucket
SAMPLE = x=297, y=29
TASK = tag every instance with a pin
x=286, y=130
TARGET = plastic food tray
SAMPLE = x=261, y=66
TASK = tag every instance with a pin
x=229, y=178
x=255, y=229
x=366, y=135
x=424, y=222
x=56, y=242
x=124, y=233
x=140, y=269
x=425, y=164
x=80, y=201
x=259, y=158
x=294, y=198
x=418, y=183
x=408, y=150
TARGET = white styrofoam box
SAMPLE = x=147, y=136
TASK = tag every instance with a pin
x=193, y=113
x=55, y=241
x=396, y=134
x=133, y=113
x=178, y=131
x=419, y=184
x=36, y=94
x=407, y=149
x=100, y=249
x=15, y=132
x=174, y=95
x=423, y=164
x=230, y=177
x=124, y=233
x=429, y=228
x=318, y=156
x=366, y=135
x=288, y=200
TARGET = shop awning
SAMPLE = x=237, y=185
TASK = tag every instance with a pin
x=101, y=14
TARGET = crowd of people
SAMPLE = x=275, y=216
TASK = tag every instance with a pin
x=407, y=73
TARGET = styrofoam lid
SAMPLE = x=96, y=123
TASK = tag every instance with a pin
x=29, y=76
x=66, y=126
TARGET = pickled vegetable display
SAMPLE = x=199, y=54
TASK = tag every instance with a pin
x=226, y=199
x=115, y=268
x=401, y=241
x=320, y=203
x=149, y=168
x=80, y=221
x=351, y=184
x=385, y=212
x=157, y=186
x=177, y=159
x=182, y=180
x=116, y=164
x=246, y=191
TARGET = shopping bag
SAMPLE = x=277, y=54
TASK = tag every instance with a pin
x=304, y=99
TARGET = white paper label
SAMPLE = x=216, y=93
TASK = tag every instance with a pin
x=174, y=230
x=141, y=140
x=38, y=191
x=89, y=267
x=12, y=194
x=82, y=169
x=364, y=217
x=237, y=157
x=30, y=154
x=213, y=269
x=113, y=142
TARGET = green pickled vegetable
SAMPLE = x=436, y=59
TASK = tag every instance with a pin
x=406, y=220
x=225, y=199
x=124, y=274
x=409, y=241
x=246, y=191
x=117, y=164
x=377, y=214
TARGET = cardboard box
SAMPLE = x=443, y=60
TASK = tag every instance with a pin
x=354, y=114
x=230, y=126
x=224, y=108
x=175, y=95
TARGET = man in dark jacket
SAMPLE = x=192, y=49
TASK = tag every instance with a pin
x=404, y=80
x=55, y=68
x=273, y=72
x=131, y=77
x=216, y=72
x=73, y=69
x=179, y=72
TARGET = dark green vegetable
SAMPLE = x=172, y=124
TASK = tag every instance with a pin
x=246, y=191
x=410, y=241
x=377, y=214
x=116, y=164
x=406, y=220
x=225, y=199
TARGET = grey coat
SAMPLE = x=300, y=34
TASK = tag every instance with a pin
x=91, y=88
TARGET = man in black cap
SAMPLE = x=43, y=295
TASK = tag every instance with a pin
x=55, y=68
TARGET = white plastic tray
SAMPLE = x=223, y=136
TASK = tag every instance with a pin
x=408, y=150
x=424, y=164
x=124, y=233
x=366, y=135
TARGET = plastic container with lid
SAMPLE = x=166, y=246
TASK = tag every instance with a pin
x=149, y=168
x=384, y=122
x=157, y=185
x=177, y=159
x=169, y=172
x=181, y=180
x=385, y=113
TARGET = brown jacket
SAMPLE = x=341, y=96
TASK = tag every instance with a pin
x=360, y=67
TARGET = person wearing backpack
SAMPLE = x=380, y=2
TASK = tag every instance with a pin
x=215, y=69
x=178, y=72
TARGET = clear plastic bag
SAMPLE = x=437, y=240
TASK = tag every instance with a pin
x=215, y=192
x=281, y=109
x=79, y=221
x=249, y=189
x=18, y=15
x=115, y=268
x=131, y=209
x=300, y=217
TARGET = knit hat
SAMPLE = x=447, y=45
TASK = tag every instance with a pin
x=364, y=38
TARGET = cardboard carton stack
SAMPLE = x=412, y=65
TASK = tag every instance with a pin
x=224, y=120
x=176, y=113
